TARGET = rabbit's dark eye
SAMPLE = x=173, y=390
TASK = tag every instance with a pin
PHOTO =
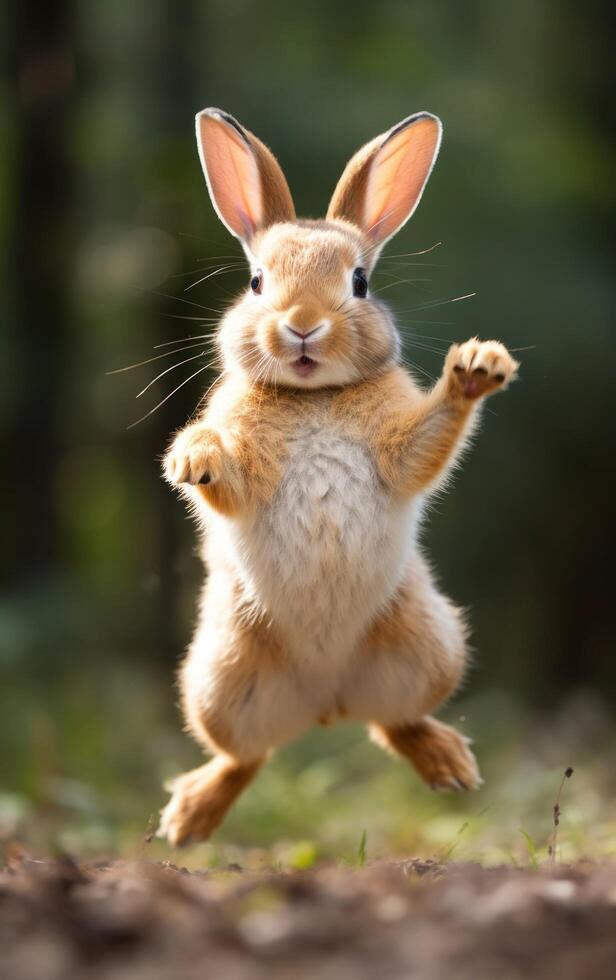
x=360, y=283
x=256, y=283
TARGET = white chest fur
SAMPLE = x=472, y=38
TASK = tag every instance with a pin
x=328, y=551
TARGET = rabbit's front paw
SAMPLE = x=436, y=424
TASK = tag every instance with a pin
x=478, y=368
x=195, y=457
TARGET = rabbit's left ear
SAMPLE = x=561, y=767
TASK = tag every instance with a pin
x=382, y=184
x=247, y=186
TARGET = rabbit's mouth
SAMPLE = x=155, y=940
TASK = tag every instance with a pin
x=304, y=366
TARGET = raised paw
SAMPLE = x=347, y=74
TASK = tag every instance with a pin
x=478, y=368
x=196, y=456
x=442, y=757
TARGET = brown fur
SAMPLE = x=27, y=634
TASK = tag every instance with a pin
x=438, y=752
x=203, y=796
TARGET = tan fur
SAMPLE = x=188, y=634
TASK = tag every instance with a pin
x=309, y=488
x=426, y=633
x=235, y=657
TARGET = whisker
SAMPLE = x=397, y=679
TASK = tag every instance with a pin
x=199, y=336
x=435, y=323
x=197, y=319
x=239, y=257
x=149, y=360
x=382, y=218
x=416, y=367
x=432, y=350
x=259, y=379
x=167, y=397
x=423, y=251
x=179, y=299
x=235, y=295
x=341, y=306
x=277, y=367
x=437, y=302
x=405, y=255
x=399, y=282
x=416, y=265
x=390, y=275
x=216, y=272
x=208, y=389
x=259, y=366
x=200, y=238
x=204, y=268
x=167, y=370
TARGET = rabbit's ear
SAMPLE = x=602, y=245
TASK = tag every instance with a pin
x=382, y=184
x=246, y=184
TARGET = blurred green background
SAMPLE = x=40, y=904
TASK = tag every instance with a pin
x=104, y=221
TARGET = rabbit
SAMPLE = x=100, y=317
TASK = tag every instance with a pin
x=308, y=471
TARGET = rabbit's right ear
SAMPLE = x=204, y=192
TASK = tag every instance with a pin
x=246, y=184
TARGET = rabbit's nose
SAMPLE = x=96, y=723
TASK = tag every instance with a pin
x=300, y=333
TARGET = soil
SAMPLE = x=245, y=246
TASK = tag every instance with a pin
x=405, y=919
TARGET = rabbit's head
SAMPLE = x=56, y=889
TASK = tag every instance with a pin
x=307, y=318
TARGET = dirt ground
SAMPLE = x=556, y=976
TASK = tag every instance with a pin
x=404, y=919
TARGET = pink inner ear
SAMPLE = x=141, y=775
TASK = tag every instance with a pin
x=232, y=175
x=398, y=175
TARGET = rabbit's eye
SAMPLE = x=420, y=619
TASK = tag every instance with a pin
x=360, y=283
x=256, y=283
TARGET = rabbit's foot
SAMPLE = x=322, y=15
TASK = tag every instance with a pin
x=196, y=456
x=478, y=368
x=200, y=799
x=439, y=753
x=443, y=758
x=186, y=816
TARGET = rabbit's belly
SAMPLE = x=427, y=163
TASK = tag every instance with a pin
x=329, y=550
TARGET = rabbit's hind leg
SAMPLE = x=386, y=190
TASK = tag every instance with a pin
x=200, y=798
x=412, y=660
x=241, y=700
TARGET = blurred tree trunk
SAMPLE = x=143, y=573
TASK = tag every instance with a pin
x=38, y=271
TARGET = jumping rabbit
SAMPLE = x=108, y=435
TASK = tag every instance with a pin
x=307, y=471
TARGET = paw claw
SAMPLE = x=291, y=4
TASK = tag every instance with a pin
x=479, y=368
x=451, y=784
x=196, y=457
x=443, y=759
x=459, y=785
